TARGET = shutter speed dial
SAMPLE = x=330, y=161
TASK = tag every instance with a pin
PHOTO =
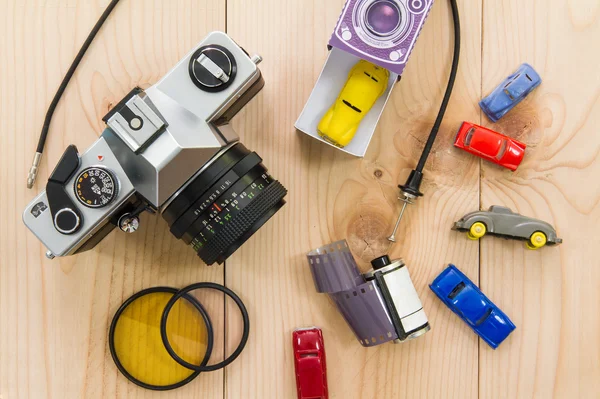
x=95, y=187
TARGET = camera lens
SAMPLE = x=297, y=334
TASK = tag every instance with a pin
x=383, y=17
x=225, y=204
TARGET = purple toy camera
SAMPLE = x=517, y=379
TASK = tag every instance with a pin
x=381, y=31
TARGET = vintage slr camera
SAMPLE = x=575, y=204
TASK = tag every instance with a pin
x=167, y=149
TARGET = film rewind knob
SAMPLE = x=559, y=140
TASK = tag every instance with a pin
x=381, y=262
x=212, y=68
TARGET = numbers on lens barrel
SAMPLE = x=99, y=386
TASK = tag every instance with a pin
x=227, y=212
x=212, y=197
x=95, y=187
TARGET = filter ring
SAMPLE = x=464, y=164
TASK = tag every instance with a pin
x=129, y=301
x=183, y=293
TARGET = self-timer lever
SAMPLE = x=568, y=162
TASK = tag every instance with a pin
x=410, y=191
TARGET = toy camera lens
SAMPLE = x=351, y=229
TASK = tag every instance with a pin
x=225, y=205
x=383, y=17
x=136, y=344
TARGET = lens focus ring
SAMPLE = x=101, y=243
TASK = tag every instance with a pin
x=251, y=218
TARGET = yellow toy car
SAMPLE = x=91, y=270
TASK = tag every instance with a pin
x=366, y=83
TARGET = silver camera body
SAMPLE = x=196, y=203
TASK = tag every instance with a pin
x=156, y=142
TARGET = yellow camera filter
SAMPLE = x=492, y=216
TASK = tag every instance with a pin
x=137, y=347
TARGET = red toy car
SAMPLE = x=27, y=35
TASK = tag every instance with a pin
x=309, y=358
x=490, y=145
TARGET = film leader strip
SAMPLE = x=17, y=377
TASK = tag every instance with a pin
x=361, y=304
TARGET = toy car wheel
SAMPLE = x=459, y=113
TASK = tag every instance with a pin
x=537, y=240
x=477, y=230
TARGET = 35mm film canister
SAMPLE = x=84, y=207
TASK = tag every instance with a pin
x=380, y=306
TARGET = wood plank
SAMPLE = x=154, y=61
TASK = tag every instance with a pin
x=55, y=315
x=334, y=196
x=551, y=294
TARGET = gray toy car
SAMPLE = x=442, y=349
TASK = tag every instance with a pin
x=502, y=221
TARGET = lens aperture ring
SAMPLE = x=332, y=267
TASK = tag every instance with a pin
x=243, y=225
x=209, y=197
x=221, y=207
x=231, y=211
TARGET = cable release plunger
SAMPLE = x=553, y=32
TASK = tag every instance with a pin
x=410, y=191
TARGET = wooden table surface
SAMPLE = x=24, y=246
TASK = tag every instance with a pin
x=54, y=315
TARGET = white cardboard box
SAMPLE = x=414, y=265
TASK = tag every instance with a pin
x=328, y=87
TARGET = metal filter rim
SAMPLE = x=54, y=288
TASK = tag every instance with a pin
x=183, y=293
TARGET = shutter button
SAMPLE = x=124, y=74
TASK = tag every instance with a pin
x=212, y=68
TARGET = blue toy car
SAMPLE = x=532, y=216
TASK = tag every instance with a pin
x=511, y=92
x=468, y=302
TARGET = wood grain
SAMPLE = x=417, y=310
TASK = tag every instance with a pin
x=551, y=294
x=334, y=196
x=54, y=315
